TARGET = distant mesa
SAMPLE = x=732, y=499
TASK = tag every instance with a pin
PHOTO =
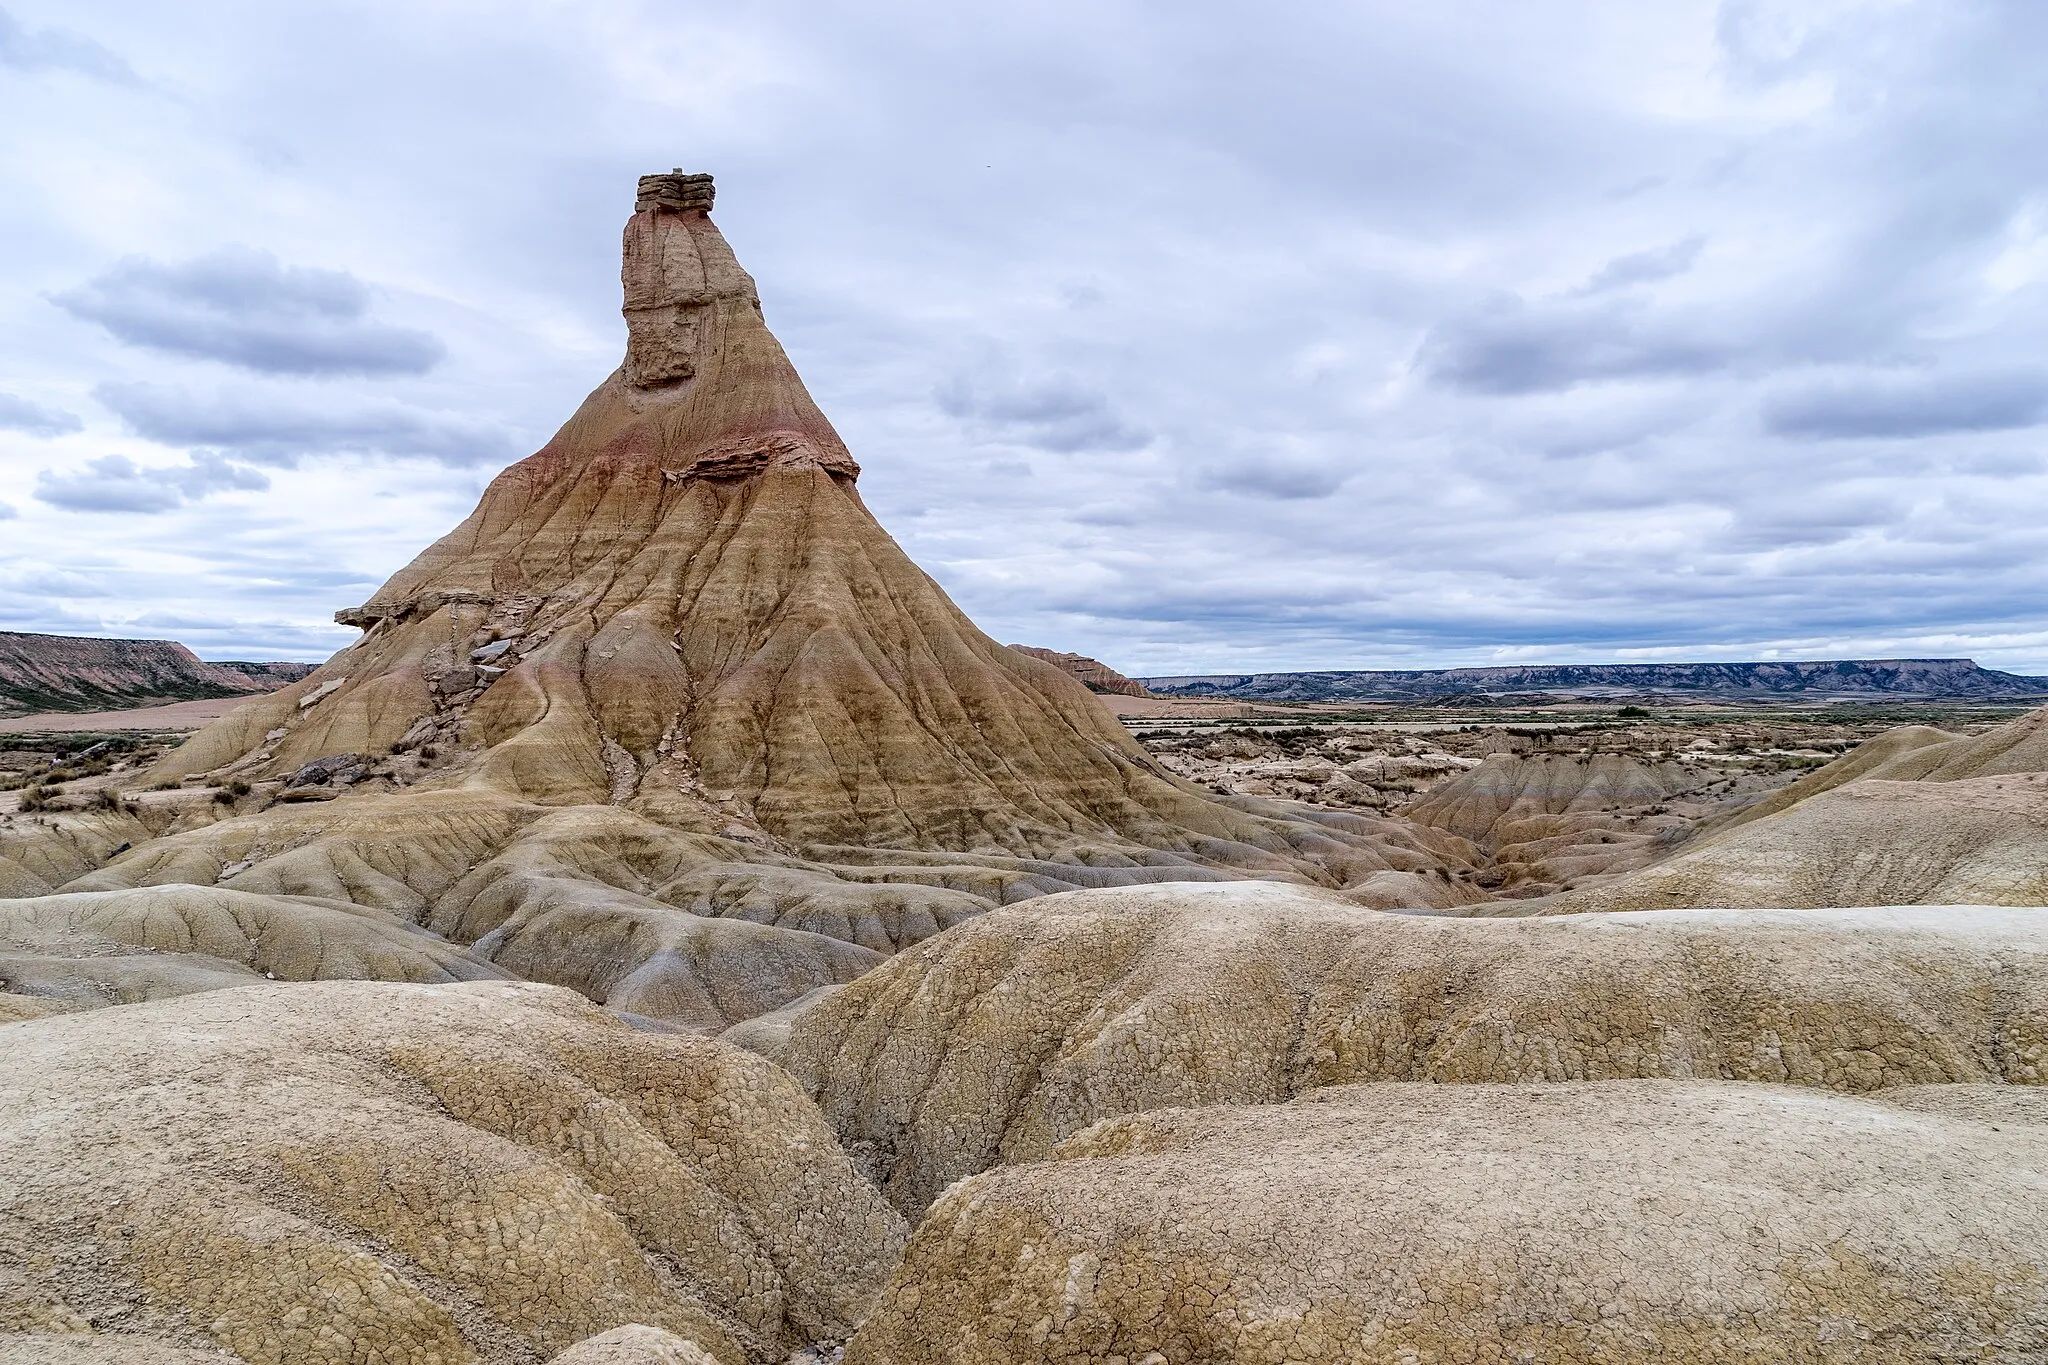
x=1887, y=679
x=1095, y=675
x=41, y=673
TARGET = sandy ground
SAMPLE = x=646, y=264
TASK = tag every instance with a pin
x=1175, y=708
x=179, y=715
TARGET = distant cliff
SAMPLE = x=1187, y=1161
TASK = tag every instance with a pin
x=1095, y=675
x=73, y=673
x=1847, y=678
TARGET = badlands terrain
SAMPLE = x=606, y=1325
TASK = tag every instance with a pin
x=674, y=932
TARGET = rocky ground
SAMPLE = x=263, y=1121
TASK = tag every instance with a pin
x=1546, y=804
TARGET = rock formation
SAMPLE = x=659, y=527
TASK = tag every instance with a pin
x=1861, y=679
x=995, y=1042
x=73, y=673
x=1095, y=675
x=1915, y=817
x=670, y=719
x=362, y=1172
x=1373, y=1225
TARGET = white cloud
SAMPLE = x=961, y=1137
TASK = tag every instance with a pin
x=1365, y=335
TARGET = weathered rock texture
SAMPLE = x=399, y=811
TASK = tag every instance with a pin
x=681, y=606
x=1094, y=674
x=1911, y=818
x=73, y=673
x=635, y=1344
x=1389, y=1224
x=371, y=1173
x=994, y=1042
x=1775, y=681
x=671, y=720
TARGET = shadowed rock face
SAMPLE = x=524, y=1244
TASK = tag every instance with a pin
x=1625, y=1221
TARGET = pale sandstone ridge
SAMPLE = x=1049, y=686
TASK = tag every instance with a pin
x=376, y=1173
x=1094, y=674
x=1390, y=1224
x=993, y=1043
x=1914, y=817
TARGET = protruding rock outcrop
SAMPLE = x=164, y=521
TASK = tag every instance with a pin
x=1094, y=674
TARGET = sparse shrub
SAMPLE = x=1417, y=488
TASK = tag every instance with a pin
x=168, y=785
x=35, y=798
x=107, y=799
x=429, y=751
x=1633, y=713
x=239, y=787
x=224, y=797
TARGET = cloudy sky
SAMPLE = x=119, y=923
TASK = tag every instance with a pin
x=1196, y=336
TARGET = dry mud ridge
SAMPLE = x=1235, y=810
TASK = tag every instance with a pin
x=867, y=920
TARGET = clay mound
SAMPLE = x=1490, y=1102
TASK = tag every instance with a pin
x=1979, y=840
x=59, y=981
x=291, y=938
x=492, y=1171
x=2018, y=746
x=994, y=1042
x=696, y=929
x=1863, y=761
x=635, y=1345
x=1094, y=674
x=1493, y=803
x=1627, y=1221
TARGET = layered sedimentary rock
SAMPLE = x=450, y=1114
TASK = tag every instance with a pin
x=74, y=673
x=1094, y=674
x=1389, y=1224
x=671, y=720
x=367, y=1172
x=681, y=606
x=994, y=1043
x=1915, y=817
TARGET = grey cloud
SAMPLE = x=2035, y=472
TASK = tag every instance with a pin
x=1512, y=347
x=242, y=307
x=1910, y=405
x=1645, y=267
x=115, y=483
x=1277, y=477
x=18, y=414
x=1053, y=413
x=279, y=428
x=54, y=49
x=7, y=512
